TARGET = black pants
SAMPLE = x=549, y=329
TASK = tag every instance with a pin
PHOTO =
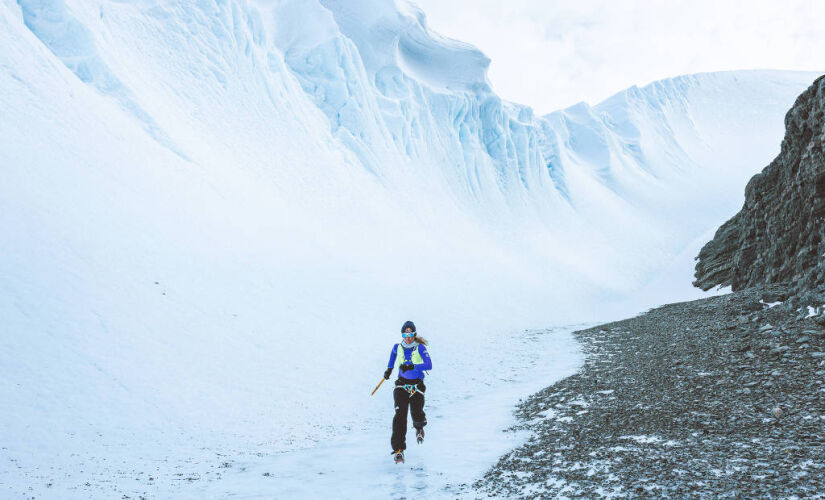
x=403, y=400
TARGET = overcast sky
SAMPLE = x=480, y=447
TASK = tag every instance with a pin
x=550, y=54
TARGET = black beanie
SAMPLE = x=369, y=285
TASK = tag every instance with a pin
x=408, y=324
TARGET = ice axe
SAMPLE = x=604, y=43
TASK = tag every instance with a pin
x=377, y=386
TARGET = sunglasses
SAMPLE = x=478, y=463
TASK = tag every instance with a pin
x=408, y=335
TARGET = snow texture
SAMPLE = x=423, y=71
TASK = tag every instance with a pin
x=215, y=216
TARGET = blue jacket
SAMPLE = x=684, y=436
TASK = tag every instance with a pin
x=418, y=372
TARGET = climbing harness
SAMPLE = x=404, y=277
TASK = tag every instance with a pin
x=411, y=388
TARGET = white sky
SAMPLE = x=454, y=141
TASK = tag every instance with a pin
x=550, y=54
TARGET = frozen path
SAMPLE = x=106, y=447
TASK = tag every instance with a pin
x=470, y=400
x=464, y=436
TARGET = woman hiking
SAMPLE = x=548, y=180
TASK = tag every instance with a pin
x=411, y=358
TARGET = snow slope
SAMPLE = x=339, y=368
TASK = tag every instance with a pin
x=215, y=215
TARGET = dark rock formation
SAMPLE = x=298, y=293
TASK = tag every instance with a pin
x=777, y=237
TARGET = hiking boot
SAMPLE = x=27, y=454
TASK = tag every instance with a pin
x=419, y=435
x=398, y=456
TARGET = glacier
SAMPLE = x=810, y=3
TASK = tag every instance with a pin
x=216, y=213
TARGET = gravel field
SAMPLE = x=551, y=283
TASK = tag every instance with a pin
x=720, y=397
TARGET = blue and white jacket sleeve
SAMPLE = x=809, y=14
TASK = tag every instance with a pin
x=428, y=363
x=393, y=353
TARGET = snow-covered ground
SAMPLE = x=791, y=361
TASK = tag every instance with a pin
x=464, y=437
x=215, y=216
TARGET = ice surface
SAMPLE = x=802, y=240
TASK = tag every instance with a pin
x=216, y=215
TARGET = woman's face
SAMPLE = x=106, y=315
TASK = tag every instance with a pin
x=409, y=340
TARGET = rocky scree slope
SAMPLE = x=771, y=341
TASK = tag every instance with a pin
x=717, y=398
x=777, y=237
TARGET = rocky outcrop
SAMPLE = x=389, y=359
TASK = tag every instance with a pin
x=777, y=237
